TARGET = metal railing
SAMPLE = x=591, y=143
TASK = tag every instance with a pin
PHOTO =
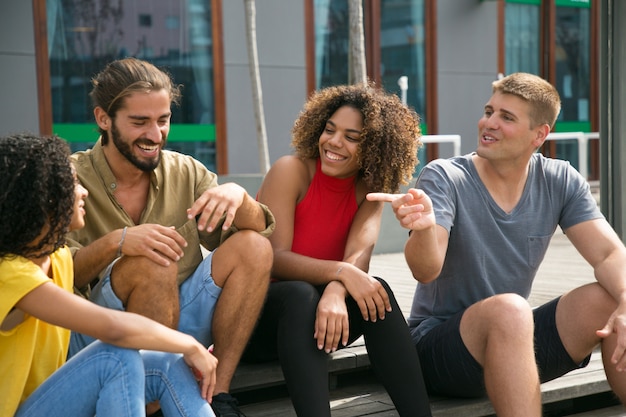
x=454, y=139
x=583, y=140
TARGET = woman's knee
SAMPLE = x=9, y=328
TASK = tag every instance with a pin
x=384, y=284
x=295, y=300
x=114, y=358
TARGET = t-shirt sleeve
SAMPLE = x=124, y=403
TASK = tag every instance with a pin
x=435, y=182
x=579, y=205
x=18, y=277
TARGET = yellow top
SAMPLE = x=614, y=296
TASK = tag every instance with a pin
x=31, y=351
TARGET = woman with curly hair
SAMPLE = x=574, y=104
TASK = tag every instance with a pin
x=40, y=201
x=348, y=141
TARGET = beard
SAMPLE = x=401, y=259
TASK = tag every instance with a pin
x=125, y=149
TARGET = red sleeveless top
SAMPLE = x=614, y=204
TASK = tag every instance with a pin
x=323, y=218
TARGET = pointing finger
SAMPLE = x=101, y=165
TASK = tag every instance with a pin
x=381, y=197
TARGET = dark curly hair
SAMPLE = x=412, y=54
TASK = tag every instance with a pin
x=36, y=194
x=387, y=153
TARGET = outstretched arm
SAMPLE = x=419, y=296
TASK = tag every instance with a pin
x=56, y=306
x=425, y=250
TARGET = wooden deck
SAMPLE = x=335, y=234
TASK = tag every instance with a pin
x=562, y=269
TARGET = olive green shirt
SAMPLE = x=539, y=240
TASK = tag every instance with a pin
x=175, y=184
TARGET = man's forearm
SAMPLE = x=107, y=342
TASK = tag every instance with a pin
x=424, y=255
x=250, y=216
x=90, y=260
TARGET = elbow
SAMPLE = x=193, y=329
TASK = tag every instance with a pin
x=425, y=270
x=424, y=277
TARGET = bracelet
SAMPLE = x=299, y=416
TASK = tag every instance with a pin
x=119, y=245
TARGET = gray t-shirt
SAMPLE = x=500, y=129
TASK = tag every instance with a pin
x=490, y=251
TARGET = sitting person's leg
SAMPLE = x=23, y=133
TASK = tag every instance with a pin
x=170, y=381
x=285, y=331
x=470, y=355
x=241, y=268
x=577, y=315
x=393, y=357
x=448, y=367
x=101, y=380
x=198, y=297
x=304, y=365
x=153, y=295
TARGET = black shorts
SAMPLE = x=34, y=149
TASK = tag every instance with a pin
x=449, y=368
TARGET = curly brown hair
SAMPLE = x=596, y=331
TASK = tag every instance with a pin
x=387, y=153
x=36, y=194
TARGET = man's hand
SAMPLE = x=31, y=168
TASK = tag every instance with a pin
x=161, y=244
x=617, y=324
x=214, y=202
x=414, y=210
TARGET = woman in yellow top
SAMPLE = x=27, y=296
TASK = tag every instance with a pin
x=40, y=200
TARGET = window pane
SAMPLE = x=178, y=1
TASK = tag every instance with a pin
x=83, y=36
x=403, y=50
x=572, y=62
x=522, y=38
x=332, y=42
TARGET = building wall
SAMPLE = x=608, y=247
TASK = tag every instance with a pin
x=467, y=64
x=281, y=51
x=18, y=100
x=467, y=51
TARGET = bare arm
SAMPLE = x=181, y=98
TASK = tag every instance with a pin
x=58, y=307
x=159, y=243
x=93, y=258
x=228, y=199
x=602, y=248
x=426, y=248
x=250, y=215
x=283, y=188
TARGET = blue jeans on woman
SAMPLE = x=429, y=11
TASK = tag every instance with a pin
x=109, y=381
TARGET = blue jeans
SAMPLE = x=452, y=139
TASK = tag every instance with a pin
x=109, y=381
x=169, y=380
x=103, y=380
x=198, y=297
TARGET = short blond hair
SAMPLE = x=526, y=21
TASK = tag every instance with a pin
x=544, y=100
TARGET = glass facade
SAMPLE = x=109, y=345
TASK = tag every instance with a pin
x=572, y=34
x=84, y=35
x=332, y=44
x=572, y=62
x=403, y=51
x=521, y=38
x=571, y=59
x=401, y=39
